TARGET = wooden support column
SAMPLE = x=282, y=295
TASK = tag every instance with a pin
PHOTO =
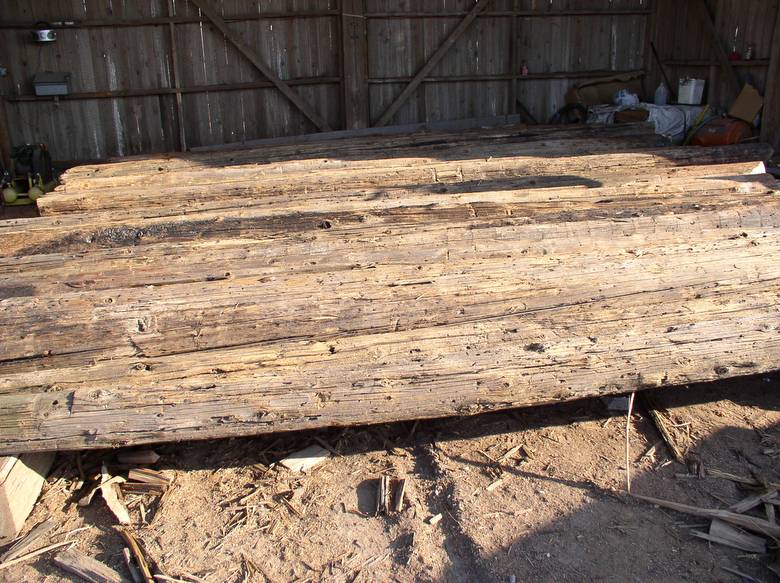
x=770, y=122
x=512, y=109
x=432, y=62
x=720, y=52
x=354, y=54
x=5, y=135
x=176, y=78
x=208, y=11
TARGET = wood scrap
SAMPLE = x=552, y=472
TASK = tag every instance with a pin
x=131, y=566
x=723, y=533
x=659, y=415
x=751, y=523
x=752, y=501
x=400, y=491
x=87, y=568
x=21, y=480
x=140, y=457
x=382, y=496
x=138, y=553
x=148, y=476
x=29, y=540
x=304, y=460
x=435, y=519
x=112, y=495
x=33, y=554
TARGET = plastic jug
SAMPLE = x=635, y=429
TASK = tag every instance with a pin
x=661, y=95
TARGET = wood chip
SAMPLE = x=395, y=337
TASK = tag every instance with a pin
x=87, y=568
x=305, y=459
x=494, y=485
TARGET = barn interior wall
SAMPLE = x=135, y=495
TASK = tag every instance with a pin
x=148, y=76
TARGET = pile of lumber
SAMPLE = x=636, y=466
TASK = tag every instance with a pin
x=380, y=279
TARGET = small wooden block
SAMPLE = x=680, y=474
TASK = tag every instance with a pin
x=88, y=568
x=304, y=460
x=21, y=480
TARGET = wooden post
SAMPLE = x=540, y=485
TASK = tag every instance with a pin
x=432, y=62
x=5, y=136
x=720, y=52
x=209, y=12
x=354, y=54
x=512, y=109
x=770, y=122
x=176, y=79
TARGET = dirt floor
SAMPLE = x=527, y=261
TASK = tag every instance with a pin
x=528, y=495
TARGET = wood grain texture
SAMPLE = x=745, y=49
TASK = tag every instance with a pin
x=368, y=293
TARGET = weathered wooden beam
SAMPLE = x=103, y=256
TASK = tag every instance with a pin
x=770, y=122
x=720, y=53
x=445, y=46
x=116, y=94
x=354, y=54
x=305, y=108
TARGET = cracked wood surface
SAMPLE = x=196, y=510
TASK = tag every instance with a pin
x=347, y=308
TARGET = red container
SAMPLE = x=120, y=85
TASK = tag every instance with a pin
x=722, y=132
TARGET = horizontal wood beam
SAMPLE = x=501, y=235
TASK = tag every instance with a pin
x=163, y=21
x=504, y=13
x=235, y=39
x=174, y=90
x=708, y=63
x=504, y=77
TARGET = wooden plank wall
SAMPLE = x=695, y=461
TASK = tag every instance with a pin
x=685, y=46
x=119, y=53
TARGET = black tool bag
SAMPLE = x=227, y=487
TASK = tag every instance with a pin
x=33, y=159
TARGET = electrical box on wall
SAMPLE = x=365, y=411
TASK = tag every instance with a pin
x=51, y=84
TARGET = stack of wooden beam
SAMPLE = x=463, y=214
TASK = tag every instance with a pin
x=378, y=279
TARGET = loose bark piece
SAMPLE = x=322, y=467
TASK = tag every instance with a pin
x=87, y=568
x=305, y=459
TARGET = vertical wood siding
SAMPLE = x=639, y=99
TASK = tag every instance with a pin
x=225, y=99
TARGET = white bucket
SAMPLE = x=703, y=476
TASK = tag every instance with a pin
x=689, y=91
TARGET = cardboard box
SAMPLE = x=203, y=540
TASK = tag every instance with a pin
x=747, y=105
